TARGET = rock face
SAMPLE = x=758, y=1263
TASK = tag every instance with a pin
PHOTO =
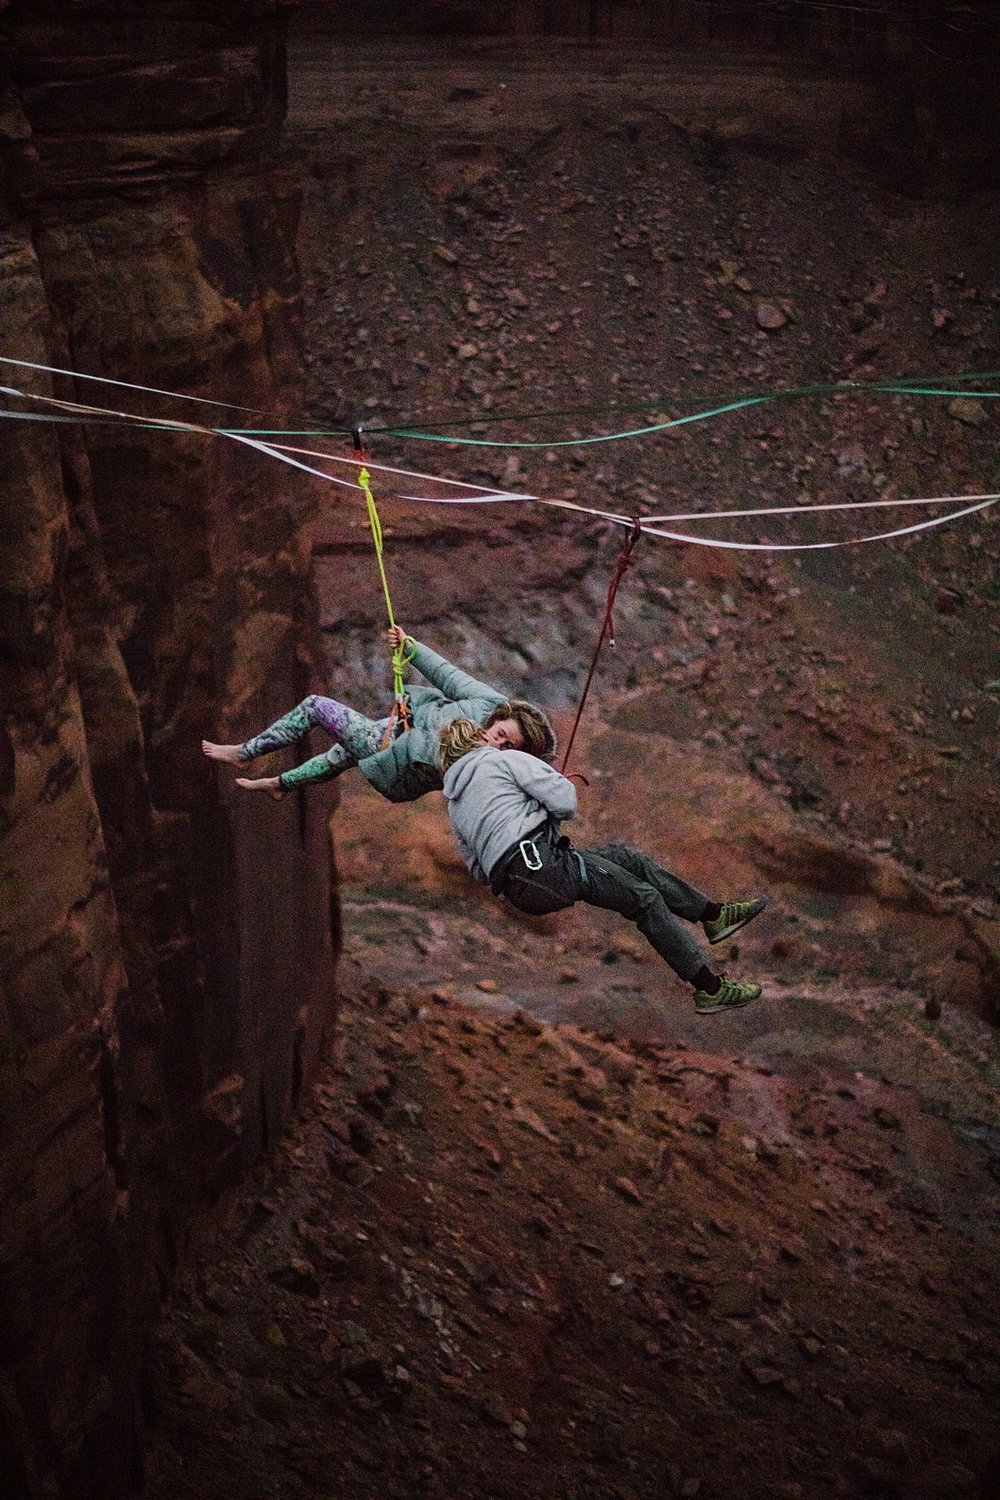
x=164, y=993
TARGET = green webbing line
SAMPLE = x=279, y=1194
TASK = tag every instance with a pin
x=399, y=656
x=700, y=416
x=39, y=416
x=114, y=419
x=907, y=386
x=93, y=420
x=607, y=437
x=897, y=387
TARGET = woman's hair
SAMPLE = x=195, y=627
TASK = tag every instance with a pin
x=536, y=731
x=457, y=739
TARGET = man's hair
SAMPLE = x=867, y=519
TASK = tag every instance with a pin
x=536, y=731
x=457, y=738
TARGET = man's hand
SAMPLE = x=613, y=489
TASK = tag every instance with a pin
x=396, y=636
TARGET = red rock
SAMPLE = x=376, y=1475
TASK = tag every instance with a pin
x=125, y=642
x=627, y=1188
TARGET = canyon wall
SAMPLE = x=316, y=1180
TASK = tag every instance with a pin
x=167, y=952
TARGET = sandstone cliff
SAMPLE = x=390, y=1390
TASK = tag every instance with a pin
x=158, y=1019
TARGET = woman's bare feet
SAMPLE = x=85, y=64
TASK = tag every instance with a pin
x=229, y=753
x=269, y=784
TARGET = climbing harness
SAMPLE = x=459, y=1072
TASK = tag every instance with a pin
x=607, y=630
x=401, y=714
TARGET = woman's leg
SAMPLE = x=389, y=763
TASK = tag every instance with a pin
x=321, y=768
x=354, y=732
x=355, y=736
x=284, y=731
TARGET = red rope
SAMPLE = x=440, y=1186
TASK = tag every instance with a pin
x=607, y=627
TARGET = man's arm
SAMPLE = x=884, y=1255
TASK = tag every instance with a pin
x=555, y=793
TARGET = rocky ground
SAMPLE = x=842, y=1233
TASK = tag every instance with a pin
x=543, y=1232
x=502, y=1259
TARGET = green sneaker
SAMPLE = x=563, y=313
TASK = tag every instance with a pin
x=729, y=996
x=734, y=915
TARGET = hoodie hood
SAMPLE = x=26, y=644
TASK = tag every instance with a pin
x=458, y=776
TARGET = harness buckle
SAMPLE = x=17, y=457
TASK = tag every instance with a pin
x=530, y=855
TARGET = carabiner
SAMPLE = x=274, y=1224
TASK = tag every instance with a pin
x=530, y=855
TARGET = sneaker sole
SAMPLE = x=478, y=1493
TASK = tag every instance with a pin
x=713, y=1010
x=726, y=932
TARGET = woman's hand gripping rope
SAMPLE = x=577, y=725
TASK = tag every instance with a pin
x=403, y=647
x=401, y=717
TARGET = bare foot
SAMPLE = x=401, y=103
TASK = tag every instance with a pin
x=269, y=784
x=229, y=753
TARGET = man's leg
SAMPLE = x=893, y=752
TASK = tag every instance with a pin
x=720, y=920
x=683, y=900
x=613, y=885
x=587, y=875
x=608, y=882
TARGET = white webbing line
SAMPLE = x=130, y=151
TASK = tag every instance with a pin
x=490, y=496
x=647, y=528
x=788, y=510
x=284, y=452
x=853, y=541
x=153, y=390
x=273, y=450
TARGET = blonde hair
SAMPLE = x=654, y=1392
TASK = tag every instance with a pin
x=457, y=739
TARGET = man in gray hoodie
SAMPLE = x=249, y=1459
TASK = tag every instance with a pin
x=505, y=808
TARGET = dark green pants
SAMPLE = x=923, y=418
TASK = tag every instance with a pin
x=615, y=877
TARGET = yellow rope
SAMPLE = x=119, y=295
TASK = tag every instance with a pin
x=400, y=656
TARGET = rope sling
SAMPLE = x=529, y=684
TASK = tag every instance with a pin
x=401, y=715
x=607, y=632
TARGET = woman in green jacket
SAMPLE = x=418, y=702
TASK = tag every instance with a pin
x=406, y=767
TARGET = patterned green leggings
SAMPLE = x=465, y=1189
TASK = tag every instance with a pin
x=354, y=735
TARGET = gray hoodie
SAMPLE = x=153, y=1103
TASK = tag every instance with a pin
x=496, y=798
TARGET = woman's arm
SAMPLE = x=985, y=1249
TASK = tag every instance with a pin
x=448, y=679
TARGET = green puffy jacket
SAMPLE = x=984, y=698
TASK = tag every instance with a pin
x=407, y=767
